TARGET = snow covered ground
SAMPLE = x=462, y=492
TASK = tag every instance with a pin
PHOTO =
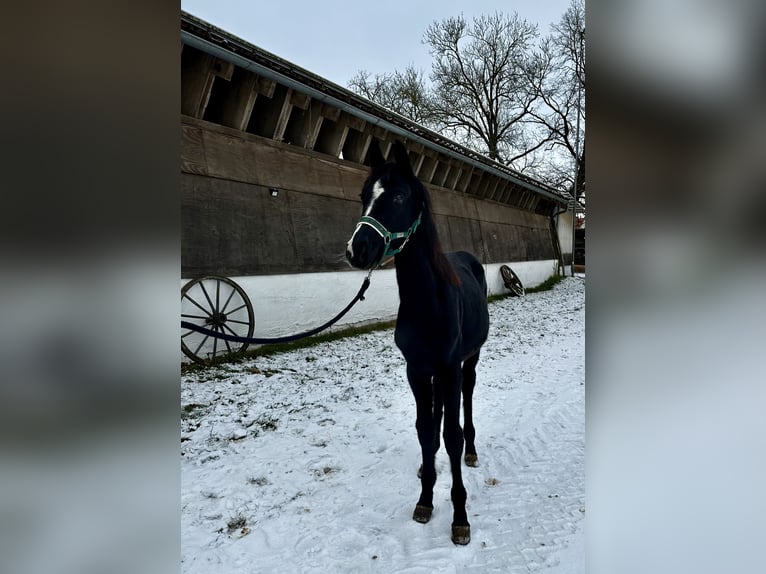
x=306, y=461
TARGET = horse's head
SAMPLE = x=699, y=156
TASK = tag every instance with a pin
x=392, y=201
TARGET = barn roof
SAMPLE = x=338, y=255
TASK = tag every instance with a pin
x=517, y=188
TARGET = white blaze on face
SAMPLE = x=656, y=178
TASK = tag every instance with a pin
x=377, y=191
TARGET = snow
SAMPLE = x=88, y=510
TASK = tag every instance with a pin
x=306, y=461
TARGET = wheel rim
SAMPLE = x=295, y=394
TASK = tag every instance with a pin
x=512, y=281
x=219, y=304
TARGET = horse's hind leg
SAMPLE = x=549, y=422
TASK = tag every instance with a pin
x=469, y=432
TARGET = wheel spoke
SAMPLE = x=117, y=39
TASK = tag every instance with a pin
x=237, y=309
x=228, y=299
x=195, y=316
x=228, y=347
x=215, y=342
x=236, y=321
x=201, y=284
x=197, y=304
x=196, y=351
x=232, y=331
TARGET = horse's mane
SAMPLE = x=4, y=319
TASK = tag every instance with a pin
x=439, y=262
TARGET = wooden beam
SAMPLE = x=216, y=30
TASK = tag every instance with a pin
x=284, y=116
x=417, y=164
x=300, y=100
x=356, y=145
x=240, y=100
x=415, y=153
x=470, y=180
x=222, y=69
x=441, y=171
x=355, y=123
x=266, y=87
x=332, y=136
x=488, y=183
x=330, y=112
x=460, y=180
x=385, y=146
x=503, y=190
x=313, y=124
x=524, y=199
x=378, y=132
x=514, y=198
x=496, y=188
x=196, y=81
x=428, y=169
x=268, y=113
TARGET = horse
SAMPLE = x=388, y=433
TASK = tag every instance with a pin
x=442, y=321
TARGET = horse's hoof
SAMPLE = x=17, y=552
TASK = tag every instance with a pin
x=471, y=459
x=461, y=534
x=422, y=514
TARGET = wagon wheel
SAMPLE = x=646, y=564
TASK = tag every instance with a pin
x=219, y=304
x=512, y=281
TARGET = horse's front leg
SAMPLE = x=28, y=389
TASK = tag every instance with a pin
x=422, y=390
x=450, y=380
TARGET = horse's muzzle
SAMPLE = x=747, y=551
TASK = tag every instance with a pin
x=364, y=249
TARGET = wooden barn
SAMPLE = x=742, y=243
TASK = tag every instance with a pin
x=272, y=163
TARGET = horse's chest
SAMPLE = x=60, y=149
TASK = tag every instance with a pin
x=425, y=346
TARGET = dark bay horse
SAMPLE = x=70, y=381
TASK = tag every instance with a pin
x=442, y=320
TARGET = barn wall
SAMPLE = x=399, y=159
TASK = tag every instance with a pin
x=294, y=303
x=233, y=226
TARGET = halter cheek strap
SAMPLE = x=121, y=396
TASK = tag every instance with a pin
x=389, y=236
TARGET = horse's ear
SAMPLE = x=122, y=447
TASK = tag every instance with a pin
x=401, y=157
x=375, y=155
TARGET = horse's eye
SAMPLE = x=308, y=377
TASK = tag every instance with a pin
x=398, y=198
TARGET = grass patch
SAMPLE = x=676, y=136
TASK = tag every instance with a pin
x=187, y=410
x=546, y=285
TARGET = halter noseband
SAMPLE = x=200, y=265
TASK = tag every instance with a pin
x=387, y=235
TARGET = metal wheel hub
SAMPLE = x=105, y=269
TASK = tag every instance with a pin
x=217, y=319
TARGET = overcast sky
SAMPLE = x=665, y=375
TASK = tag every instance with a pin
x=336, y=38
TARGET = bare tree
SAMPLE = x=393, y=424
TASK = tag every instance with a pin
x=402, y=92
x=480, y=91
x=497, y=90
x=558, y=81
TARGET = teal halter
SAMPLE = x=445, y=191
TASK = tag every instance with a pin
x=387, y=235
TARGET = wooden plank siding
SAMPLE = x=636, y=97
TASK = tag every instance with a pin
x=245, y=136
x=232, y=225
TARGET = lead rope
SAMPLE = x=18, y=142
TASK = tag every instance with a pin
x=288, y=338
